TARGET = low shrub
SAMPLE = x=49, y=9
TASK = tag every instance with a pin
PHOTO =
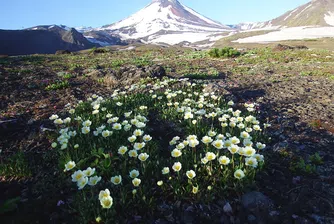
x=226, y=52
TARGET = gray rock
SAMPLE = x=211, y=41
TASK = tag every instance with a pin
x=254, y=200
x=156, y=71
x=258, y=205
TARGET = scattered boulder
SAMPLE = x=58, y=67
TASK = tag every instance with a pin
x=301, y=47
x=283, y=47
x=156, y=71
x=60, y=52
x=128, y=75
x=99, y=50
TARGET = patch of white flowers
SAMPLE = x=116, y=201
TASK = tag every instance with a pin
x=229, y=146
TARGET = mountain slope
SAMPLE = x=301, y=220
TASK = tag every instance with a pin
x=165, y=17
x=313, y=13
x=42, y=40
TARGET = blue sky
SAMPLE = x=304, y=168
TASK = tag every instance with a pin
x=17, y=14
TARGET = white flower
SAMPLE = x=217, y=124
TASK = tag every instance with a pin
x=227, y=144
x=122, y=150
x=67, y=120
x=165, y=170
x=134, y=173
x=177, y=166
x=85, y=130
x=127, y=127
x=136, y=182
x=259, y=158
x=195, y=190
x=77, y=175
x=63, y=146
x=223, y=160
x=87, y=123
x=82, y=182
x=204, y=160
x=127, y=114
x=260, y=146
x=239, y=174
x=70, y=165
x=139, y=145
x=54, y=145
x=143, y=157
x=160, y=183
x=188, y=115
x=220, y=137
x=132, y=138
x=247, y=142
x=138, y=132
x=89, y=171
x=105, y=133
x=210, y=156
x=106, y=202
x=235, y=140
x=193, y=143
x=117, y=126
x=58, y=121
x=133, y=153
x=212, y=133
x=104, y=194
x=244, y=134
x=257, y=128
x=116, y=179
x=218, y=144
x=191, y=174
x=206, y=140
x=93, y=180
x=233, y=149
x=249, y=151
x=176, y=153
x=180, y=146
x=147, y=138
x=251, y=161
x=96, y=106
x=53, y=117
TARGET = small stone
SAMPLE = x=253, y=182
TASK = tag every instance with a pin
x=227, y=208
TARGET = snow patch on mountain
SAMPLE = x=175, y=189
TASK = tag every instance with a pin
x=303, y=10
x=293, y=33
x=292, y=12
x=329, y=18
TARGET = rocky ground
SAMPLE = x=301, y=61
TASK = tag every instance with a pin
x=294, y=90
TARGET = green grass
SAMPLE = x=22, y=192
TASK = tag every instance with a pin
x=15, y=166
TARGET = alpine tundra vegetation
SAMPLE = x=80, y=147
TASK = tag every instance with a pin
x=185, y=120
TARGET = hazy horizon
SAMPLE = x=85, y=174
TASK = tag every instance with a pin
x=20, y=14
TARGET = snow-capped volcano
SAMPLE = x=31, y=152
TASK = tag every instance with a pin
x=166, y=19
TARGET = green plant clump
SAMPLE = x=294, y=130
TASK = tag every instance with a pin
x=58, y=85
x=226, y=52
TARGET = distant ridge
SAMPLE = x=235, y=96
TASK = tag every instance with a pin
x=42, y=40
